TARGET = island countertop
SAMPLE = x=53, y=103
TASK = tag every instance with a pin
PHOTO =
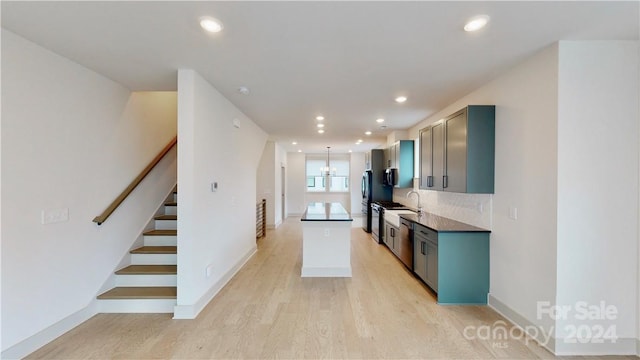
x=319, y=211
x=441, y=224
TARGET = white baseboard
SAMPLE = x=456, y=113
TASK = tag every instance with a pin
x=545, y=340
x=560, y=347
x=192, y=311
x=274, y=226
x=136, y=306
x=40, y=339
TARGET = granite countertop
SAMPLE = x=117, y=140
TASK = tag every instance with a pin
x=319, y=211
x=441, y=224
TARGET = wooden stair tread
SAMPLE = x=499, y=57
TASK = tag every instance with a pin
x=155, y=292
x=155, y=250
x=166, y=217
x=148, y=270
x=171, y=203
x=161, y=232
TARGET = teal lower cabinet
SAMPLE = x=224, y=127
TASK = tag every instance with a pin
x=454, y=264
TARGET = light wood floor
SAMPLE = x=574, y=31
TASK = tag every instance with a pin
x=269, y=311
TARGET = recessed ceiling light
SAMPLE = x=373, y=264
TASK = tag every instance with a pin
x=367, y=132
x=210, y=24
x=243, y=90
x=320, y=125
x=299, y=150
x=359, y=140
x=320, y=131
x=320, y=118
x=401, y=99
x=381, y=120
x=350, y=151
x=358, y=143
x=294, y=143
x=476, y=23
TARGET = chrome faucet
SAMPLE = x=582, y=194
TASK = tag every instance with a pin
x=418, y=194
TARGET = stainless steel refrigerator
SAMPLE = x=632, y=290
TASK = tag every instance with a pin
x=373, y=188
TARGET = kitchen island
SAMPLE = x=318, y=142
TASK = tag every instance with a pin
x=326, y=241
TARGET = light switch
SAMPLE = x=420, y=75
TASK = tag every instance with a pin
x=513, y=213
x=214, y=186
x=55, y=215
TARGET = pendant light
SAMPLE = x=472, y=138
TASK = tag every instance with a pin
x=327, y=170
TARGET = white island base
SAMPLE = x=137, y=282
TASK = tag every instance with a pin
x=326, y=242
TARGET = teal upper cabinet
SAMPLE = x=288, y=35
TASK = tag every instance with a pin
x=457, y=154
x=400, y=157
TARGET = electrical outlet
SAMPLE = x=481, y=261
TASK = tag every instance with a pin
x=480, y=208
x=214, y=186
x=327, y=232
x=209, y=270
x=55, y=215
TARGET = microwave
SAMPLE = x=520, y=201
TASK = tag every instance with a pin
x=391, y=177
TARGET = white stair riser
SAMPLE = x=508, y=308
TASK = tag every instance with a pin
x=171, y=210
x=154, y=259
x=137, y=306
x=146, y=280
x=166, y=224
x=168, y=240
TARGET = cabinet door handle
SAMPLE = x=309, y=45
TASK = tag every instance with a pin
x=422, y=248
x=393, y=233
x=445, y=181
x=429, y=181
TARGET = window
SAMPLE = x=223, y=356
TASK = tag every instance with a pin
x=338, y=180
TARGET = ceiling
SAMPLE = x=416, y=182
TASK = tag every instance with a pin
x=344, y=60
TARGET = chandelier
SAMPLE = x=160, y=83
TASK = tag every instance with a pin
x=327, y=170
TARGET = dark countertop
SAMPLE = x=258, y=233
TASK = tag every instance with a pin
x=441, y=224
x=318, y=211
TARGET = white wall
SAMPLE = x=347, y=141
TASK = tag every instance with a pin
x=71, y=139
x=280, y=156
x=269, y=181
x=265, y=181
x=296, y=183
x=598, y=186
x=215, y=228
x=523, y=251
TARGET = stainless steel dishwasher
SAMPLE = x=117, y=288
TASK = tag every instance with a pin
x=376, y=214
x=406, y=243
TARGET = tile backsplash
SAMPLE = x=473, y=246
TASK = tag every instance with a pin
x=472, y=209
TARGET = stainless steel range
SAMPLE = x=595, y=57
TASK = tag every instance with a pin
x=377, y=217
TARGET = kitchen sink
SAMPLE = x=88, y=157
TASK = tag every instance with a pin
x=393, y=216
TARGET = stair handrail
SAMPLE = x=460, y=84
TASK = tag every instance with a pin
x=112, y=207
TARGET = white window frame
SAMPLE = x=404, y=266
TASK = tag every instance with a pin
x=326, y=178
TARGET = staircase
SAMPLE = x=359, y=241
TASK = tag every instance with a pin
x=148, y=285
